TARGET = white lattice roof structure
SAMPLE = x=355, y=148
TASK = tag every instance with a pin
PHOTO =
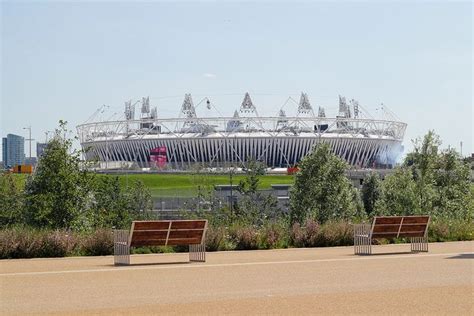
x=278, y=141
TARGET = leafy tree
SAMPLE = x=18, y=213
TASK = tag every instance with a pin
x=11, y=200
x=399, y=195
x=58, y=194
x=453, y=197
x=322, y=191
x=423, y=162
x=371, y=190
x=116, y=206
x=253, y=170
x=429, y=182
x=255, y=207
x=139, y=200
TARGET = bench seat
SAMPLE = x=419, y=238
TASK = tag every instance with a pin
x=190, y=233
x=414, y=227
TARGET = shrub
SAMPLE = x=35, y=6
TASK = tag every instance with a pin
x=332, y=233
x=450, y=231
x=306, y=236
x=336, y=234
x=244, y=237
x=273, y=235
x=297, y=235
x=56, y=244
x=98, y=243
x=19, y=243
x=312, y=231
x=215, y=238
x=152, y=249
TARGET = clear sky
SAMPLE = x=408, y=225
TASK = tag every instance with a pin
x=62, y=60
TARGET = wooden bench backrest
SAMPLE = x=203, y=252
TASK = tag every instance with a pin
x=167, y=233
x=399, y=226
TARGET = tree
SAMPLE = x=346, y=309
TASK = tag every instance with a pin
x=399, y=195
x=255, y=207
x=429, y=182
x=253, y=170
x=453, y=197
x=58, y=194
x=11, y=200
x=116, y=205
x=322, y=191
x=371, y=190
x=423, y=162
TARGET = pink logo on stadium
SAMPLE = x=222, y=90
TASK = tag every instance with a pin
x=158, y=156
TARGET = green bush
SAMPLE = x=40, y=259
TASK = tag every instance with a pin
x=152, y=249
x=336, y=233
x=450, y=231
x=215, y=237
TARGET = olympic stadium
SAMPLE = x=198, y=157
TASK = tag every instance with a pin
x=279, y=141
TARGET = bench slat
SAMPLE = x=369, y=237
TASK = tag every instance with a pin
x=185, y=234
x=184, y=241
x=388, y=220
x=148, y=242
x=413, y=234
x=151, y=225
x=386, y=228
x=416, y=220
x=385, y=235
x=188, y=224
x=167, y=232
x=150, y=234
x=412, y=228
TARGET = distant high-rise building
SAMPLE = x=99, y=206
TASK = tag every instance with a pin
x=40, y=147
x=13, y=150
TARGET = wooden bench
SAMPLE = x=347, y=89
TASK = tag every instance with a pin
x=190, y=233
x=415, y=227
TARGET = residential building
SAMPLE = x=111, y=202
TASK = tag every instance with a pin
x=13, y=150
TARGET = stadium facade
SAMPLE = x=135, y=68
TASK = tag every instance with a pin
x=279, y=141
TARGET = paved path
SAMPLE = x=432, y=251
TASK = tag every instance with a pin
x=291, y=281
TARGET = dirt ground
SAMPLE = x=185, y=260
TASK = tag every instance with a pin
x=290, y=281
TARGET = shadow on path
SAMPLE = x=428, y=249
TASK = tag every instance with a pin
x=463, y=256
x=383, y=254
x=149, y=264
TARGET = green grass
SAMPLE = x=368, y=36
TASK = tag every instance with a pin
x=185, y=185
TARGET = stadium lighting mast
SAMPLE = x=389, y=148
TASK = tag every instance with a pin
x=29, y=138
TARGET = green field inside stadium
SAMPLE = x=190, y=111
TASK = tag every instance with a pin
x=185, y=185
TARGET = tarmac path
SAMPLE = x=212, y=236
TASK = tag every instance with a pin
x=289, y=281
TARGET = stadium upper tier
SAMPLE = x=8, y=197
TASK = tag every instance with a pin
x=279, y=141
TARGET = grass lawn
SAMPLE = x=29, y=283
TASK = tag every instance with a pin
x=184, y=185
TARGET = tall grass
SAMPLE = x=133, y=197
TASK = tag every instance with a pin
x=24, y=242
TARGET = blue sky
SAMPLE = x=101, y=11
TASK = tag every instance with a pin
x=62, y=60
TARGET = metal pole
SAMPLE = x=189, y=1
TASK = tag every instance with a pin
x=29, y=139
x=231, y=193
